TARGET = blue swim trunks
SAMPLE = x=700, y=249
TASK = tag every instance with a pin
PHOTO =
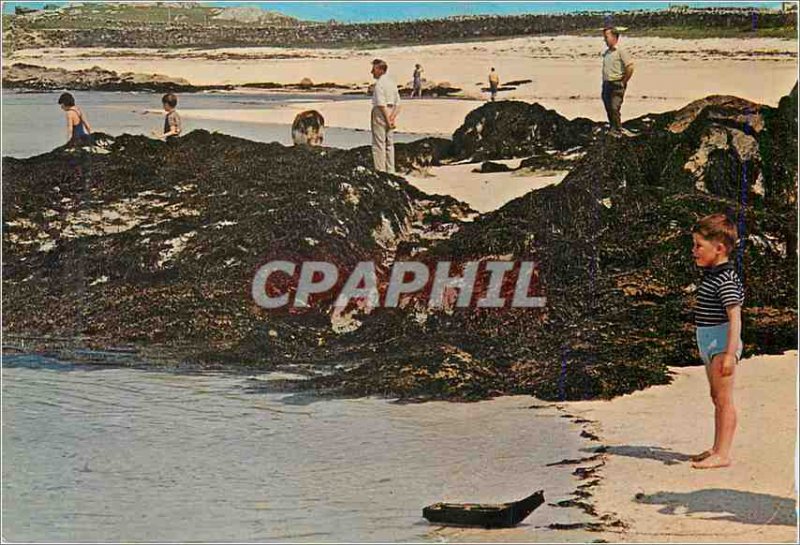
x=712, y=340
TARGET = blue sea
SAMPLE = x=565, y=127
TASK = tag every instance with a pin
x=357, y=12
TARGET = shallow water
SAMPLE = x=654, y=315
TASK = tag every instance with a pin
x=116, y=454
x=34, y=124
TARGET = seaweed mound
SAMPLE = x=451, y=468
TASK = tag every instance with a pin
x=157, y=243
x=509, y=129
x=613, y=246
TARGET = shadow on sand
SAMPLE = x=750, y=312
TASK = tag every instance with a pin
x=732, y=505
x=667, y=456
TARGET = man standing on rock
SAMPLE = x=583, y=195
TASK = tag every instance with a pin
x=385, y=106
x=617, y=70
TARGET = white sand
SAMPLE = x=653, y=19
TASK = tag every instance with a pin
x=416, y=117
x=565, y=71
x=650, y=433
x=484, y=192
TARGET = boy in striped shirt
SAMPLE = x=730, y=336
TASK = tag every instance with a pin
x=718, y=317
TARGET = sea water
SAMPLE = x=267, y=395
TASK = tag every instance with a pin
x=119, y=454
x=33, y=123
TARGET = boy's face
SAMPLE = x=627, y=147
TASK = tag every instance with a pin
x=706, y=252
x=167, y=107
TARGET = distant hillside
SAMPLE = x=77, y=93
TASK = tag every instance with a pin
x=176, y=25
x=101, y=15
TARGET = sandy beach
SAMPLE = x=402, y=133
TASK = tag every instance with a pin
x=649, y=484
x=565, y=74
x=484, y=192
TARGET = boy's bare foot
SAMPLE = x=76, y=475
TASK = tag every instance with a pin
x=713, y=461
x=702, y=456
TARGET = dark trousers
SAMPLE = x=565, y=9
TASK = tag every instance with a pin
x=613, y=95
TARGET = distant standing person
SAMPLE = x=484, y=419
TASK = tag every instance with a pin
x=617, y=71
x=417, y=85
x=494, y=82
x=385, y=107
x=78, y=129
x=172, y=121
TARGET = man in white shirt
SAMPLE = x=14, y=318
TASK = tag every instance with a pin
x=385, y=106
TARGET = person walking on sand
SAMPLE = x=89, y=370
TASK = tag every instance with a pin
x=416, y=89
x=617, y=71
x=494, y=83
x=78, y=129
x=385, y=107
x=718, y=317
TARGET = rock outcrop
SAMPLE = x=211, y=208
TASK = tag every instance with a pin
x=31, y=77
x=39, y=78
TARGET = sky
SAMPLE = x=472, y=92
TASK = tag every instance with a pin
x=399, y=11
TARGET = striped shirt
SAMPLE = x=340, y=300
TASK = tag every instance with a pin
x=720, y=288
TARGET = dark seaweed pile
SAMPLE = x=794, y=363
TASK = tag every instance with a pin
x=154, y=244
x=235, y=202
x=507, y=129
x=613, y=245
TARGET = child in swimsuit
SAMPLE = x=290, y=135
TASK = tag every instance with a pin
x=78, y=129
x=718, y=317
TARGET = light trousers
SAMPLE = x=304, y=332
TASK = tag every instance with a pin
x=382, y=142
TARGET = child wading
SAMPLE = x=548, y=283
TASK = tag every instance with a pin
x=718, y=317
x=172, y=121
x=78, y=129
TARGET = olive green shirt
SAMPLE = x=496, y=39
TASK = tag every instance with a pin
x=615, y=61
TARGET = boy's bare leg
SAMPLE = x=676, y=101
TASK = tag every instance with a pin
x=724, y=417
x=706, y=453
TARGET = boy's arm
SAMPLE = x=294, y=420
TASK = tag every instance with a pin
x=732, y=344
